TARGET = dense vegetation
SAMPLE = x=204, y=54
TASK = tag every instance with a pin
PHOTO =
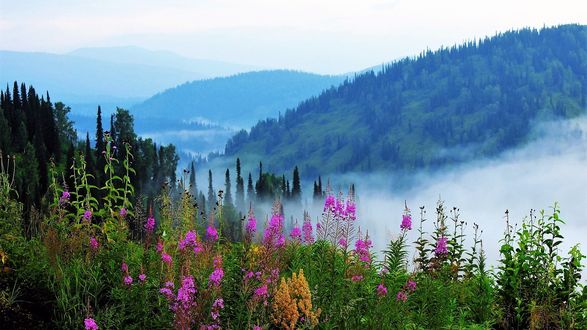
x=37, y=137
x=237, y=100
x=454, y=104
x=88, y=268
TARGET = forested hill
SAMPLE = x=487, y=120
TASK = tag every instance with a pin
x=239, y=100
x=454, y=104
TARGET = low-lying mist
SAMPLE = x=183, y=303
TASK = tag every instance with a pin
x=551, y=168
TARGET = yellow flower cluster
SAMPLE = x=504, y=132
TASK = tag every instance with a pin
x=293, y=301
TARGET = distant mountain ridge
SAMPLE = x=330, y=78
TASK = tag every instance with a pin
x=117, y=75
x=239, y=100
x=448, y=106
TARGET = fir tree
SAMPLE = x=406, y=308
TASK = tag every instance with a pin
x=211, y=194
x=227, y=191
x=250, y=190
x=193, y=186
x=240, y=187
x=296, y=191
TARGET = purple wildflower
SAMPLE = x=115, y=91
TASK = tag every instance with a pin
x=261, y=291
x=124, y=267
x=88, y=215
x=251, y=226
x=357, y=278
x=216, y=307
x=94, y=244
x=273, y=232
x=212, y=233
x=218, y=273
x=159, y=246
x=381, y=290
x=142, y=277
x=307, y=230
x=350, y=210
x=185, y=294
x=296, y=234
x=401, y=296
x=90, y=324
x=406, y=222
x=362, y=249
x=64, y=197
x=343, y=243
x=189, y=240
x=166, y=258
x=150, y=224
x=127, y=280
x=123, y=212
x=256, y=327
x=441, y=248
x=329, y=203
x=411, y=285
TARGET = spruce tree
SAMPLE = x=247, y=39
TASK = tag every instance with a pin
x=211, y=194
x=100, y=147
x=296, y=191
x=227, y=189
x=240, y=187
x=250, y=190
x=193, y=186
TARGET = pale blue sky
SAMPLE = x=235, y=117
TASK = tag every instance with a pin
x=326, y=36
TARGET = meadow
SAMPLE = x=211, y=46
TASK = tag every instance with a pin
x=103, y=259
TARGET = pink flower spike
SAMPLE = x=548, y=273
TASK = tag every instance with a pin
x=401, y=296
x=142, y=277
x=212, y=233
x=124, y=267
x=127, y=280
x=90, y=324
x=94, y=244
x=123, y=212
x=166, y=258
x=406, y=222
x=381, y=290
x=411, y=285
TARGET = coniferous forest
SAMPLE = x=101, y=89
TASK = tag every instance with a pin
x=108, y=231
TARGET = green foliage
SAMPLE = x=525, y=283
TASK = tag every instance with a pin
x=438, y=108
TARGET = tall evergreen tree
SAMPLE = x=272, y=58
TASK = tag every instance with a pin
x=296, y=191
x=250, y=190
x=193, y=186
x=240, y=187
x=100, y=146
x=211, y=194
x=227, y=189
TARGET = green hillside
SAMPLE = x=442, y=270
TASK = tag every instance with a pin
x=441, y=107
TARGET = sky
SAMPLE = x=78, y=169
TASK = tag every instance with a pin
x=324, y=36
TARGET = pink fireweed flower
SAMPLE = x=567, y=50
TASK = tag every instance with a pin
x=216, y=277
x=216, y=307
x=350, y=210
x=401, y=296
x=406, y=222
x=90, y=324
x=272, y=236
x=167, y=293
x=189, y=240
x=123, y=212
x=150, y=224
x=124, y=267
x=381, y=290
x=64, y=197
x=357, y=278
x=362, y=250
x=296, y=234
x=185, y=294
x=441, y=248
x=88, y=215
x=127, y=280
x=256, y=327
x=142, y=277
x=212, y=233
x=251, y=226
x=343, y=243
x=411, y=285
x=166, y=258
x=307, y=230
x=329, y=203
x=261, y=291
x=159, y=246
x=94, y=244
